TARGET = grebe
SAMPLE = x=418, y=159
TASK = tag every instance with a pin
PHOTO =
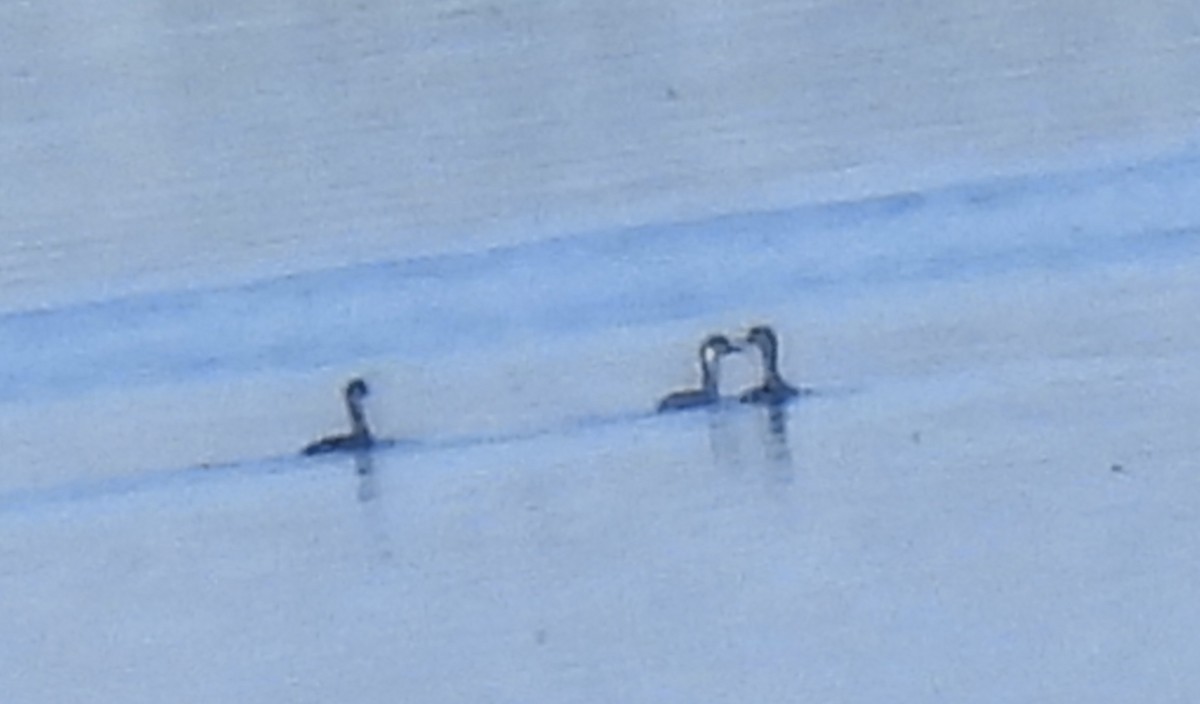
x=773, y=390
x=360, y=435
x=711, y=351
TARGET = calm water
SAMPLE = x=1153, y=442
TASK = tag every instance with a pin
x=220, y=215
x=151, y=146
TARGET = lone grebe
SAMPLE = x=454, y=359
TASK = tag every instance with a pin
x=711, y=351
x=773, y=390
x=360, y=435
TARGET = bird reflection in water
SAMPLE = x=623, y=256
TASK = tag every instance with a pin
x=372, y=509
x=775, y=442
x=753, y=439
x=368, y=483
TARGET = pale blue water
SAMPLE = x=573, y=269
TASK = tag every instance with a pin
x=417, y=309
x=989, y=497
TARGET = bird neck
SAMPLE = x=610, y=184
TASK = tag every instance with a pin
x=358, y=418
x=770, y=364
x=710, y=367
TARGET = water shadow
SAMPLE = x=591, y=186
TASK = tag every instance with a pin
x=724, y=441
x=368, y=482
x=776, y=448
x=746, y=440
x=374, y=511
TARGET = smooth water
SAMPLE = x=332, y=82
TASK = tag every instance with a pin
x=517, y=223
x=540, y=336
x=999, y=508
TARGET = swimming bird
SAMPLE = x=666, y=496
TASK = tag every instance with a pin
x=714, y=347
x=360, y=437
x=773, y=390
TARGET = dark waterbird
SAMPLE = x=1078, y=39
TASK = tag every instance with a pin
x=711, y=351
x=359, y=437
x=773, y=390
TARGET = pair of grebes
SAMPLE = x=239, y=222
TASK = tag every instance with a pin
x=772, y=391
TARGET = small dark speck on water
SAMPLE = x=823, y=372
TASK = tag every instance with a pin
x=539, y=636
x=1119, y=469
x=916, y=437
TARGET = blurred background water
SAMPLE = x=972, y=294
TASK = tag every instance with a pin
x=974, y=228
x=152, y=145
